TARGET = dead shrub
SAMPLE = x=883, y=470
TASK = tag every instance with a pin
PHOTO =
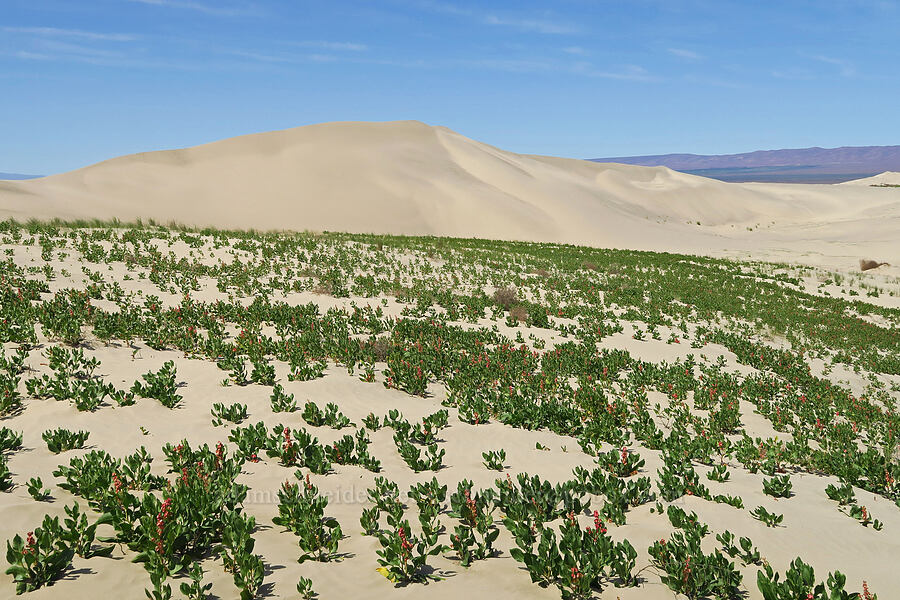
x=519, y=313
x=322, y=289
x=866, y=264
x=381, y=347
x=589, y=265
x=506, y=297
x=541, y=273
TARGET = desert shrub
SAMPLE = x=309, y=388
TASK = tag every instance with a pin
x=866, y=264
x=506, y=297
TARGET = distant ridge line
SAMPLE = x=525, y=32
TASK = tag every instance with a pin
x=798, y=165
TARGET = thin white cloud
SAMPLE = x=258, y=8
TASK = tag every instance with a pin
x=532, y=25
x=686, y=54
x=25, y=55
x=325, y=45
x=622, y=73
x=793, y=74
x=576, y=50
x=845, y=67
x=77, y=50
x=72, y=33
x=510, y=65
x=520, y=22
x=211, y=8
x=441, y=7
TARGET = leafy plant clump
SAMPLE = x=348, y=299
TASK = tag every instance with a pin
x=159, y=385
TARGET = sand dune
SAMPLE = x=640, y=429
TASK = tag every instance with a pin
x=886, y=178
x=411, y=178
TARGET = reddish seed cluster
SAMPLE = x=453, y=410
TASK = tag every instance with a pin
x=599, y=526
x=220, y=455
x=288, y=444
x=867, y=595
x=686, y=573
x=471, y=508
x=30, y=544
x=164, y=513
x=405, y=545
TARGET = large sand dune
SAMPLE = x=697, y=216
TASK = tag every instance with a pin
x=411, y=178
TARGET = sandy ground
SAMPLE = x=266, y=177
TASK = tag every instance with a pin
x=813, y=528
x=411, y=178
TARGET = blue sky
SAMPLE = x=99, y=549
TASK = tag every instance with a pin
x=81, y=81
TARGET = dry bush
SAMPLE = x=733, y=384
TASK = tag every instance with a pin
x=866, y=264
x=381, y=347
x=506, y=297
x=541, y=273
x=589, y=265
x=322, y=289
x=519, y=313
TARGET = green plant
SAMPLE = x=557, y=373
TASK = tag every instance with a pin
x=474, y=537
x=403, y=556
x=770, y=519
x=305, y=589
x=36, y=489
x=282, y=402
x=778, y=487
x=746, y=552
x=621, y=463
x=196, y=589
x=718, y=473
x=60, y=440
x=688, y=570
x=799, y=582
x=236, y=549
x=40, y=558
x=234, y=413
x=843, y=495
x=494, y=459
x=79, y=534
x=160, y=386
x=302, y=510
x=9, y=440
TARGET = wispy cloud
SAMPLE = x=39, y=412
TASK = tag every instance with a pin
x=845, y=67
x=510, y=65
x=522, y=22
x=621, y=73
x=793, y=74
x=441, y=7
x=72, y=33
x=336, y=46
x=576, y=50
x=686, y=54
x=77, y=50
x=532, y=25
x=219, y=9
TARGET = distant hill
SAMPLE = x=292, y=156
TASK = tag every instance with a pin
x=802, y=165
x=17, y=176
